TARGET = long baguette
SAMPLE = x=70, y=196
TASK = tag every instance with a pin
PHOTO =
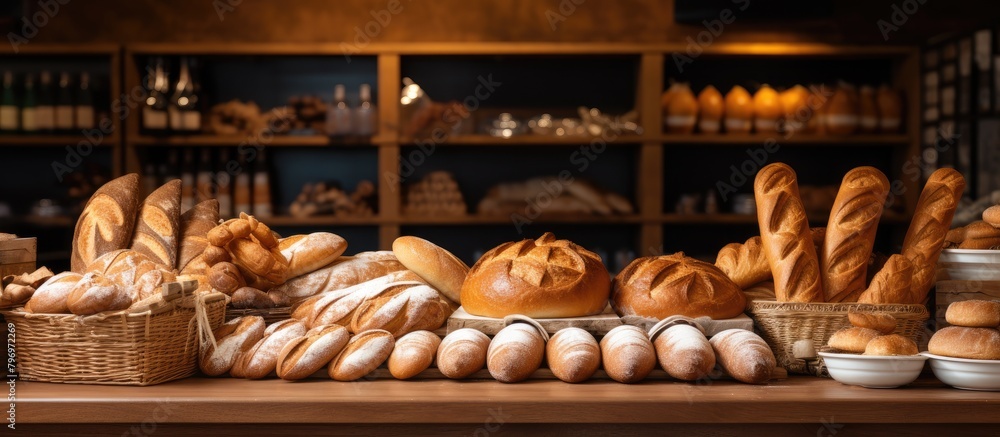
x=929, y=226
x=335, y=276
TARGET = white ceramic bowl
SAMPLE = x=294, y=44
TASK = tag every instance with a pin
x=873, y=371
x=970, y=264
x=966, y=374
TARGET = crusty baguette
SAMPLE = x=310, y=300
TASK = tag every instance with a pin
x=684, y=352
x=892, y=284
x=929, y=226
x=232, y=340
x=744, y=355
x=413, y=353
x=850, y=233
x=335, y=276
x=307, y=253
x=362, y=354
x=195, y=224
x=462, y=353
x=416, y=308
x=157, y=226
x=107, y=221
x=746, y=263
x=440, y=268
x=262, y=359
x=338, y=307
x=573, y=355
x=784, y=231
x=307, y=354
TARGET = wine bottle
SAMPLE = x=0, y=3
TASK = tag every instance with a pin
x=205, y=176
x=261, y=188
x=45, y=113
x=154, y=112
x=8, y=105
x=187, y=181
x=223, y=187
x=64, y=105
x=366, y=114
x=84, y=104
x=338, y=116
x=184, y=114
x=29, y=119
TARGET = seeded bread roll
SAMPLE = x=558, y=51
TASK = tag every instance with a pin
x=305, y=355
x=462, y=353
x=628, y=354
x=107, y=221
x=157, y=227
x=852, y=340
x=744, y=355
x=413, y=353
x=573, y=355
x=232, y=339
x=969, y=343
x=363, y=354
x=974, y=313
x=262, y=359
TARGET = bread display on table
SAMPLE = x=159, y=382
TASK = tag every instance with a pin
x=675, y=284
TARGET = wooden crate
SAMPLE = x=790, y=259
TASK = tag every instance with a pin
x=18, y=256
x=949, y=292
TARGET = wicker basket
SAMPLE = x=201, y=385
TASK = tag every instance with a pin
x=270, y=315
x=781, y=324
x=118, y=348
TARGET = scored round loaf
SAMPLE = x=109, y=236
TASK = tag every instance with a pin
x=573, y=355
x=107, y=221
x=890, y=345
x=413, y=353
x=543, y=278
x=232, y=340
x=664, y=286
x=970, y=343
x=884, y=323
x=96, y=293
x=974, y=313
x=744, y=355
x=262, y=359
x=684, y=353
x=363, y=354
x=51, y=297
x=628, y=354
x=515, y=353
x=462, y=353
x=852, y=340
x=992, y=216
x=439, y=267
x=307, y=354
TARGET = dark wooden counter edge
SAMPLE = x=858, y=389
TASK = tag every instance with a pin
x=796, y=400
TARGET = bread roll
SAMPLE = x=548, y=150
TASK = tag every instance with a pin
x=852, y=340
x=335, y=276
x=107, y=221
x=249, y=297
x=51, y=297
x=931, y=221
x=969, y=343
x=766, y=110
x=841, y=112
x=415, y=308
x=680, y=108
x=573, y=355
x=262, y=358
x=515, y=353
x=675, y=284
x=195, y=224
x=892, y=284
x=890, y=109
x=339, y=307
x=305, y=355
x=308, y=253
x=591, y=195
x=743, y=355
x=226, y=278
x=684, y=352
x=232, y=339
x=413, y=353
x=739, y=111
x=784, y=232
x=363, y=354
x=974, y=313
x=850, y=233
x=891, y=345
x=95, y=293
x=710, y=110
x=157, y=226
x=992, y=216
x=744, y=263
x=437, y=266
x=541, y=278
x=980, y=235
x=883, y=323
x=462, y=353
x=138, y=275
x=628, y=354
x=795, y=105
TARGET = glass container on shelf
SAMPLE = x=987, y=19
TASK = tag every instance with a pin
x=154, y=111
x=29, y=119
x=184, y=114
x=84, y=103
x=261, y=188
x=8, y=105
x=64, y=105
x=338, y=117
x=366, y=114
x=45, y=113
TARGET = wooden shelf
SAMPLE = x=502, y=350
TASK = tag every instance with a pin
x=320, y=220
x=804, y=139
x=53, y=140
x=236, y=140
x=526, y=140
x=476, y=219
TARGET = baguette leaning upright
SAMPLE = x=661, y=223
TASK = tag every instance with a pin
x=195, y=224
x=107, y=221
x=785, y=235
x=157, y=228
x=929, y=226
x=850, y=233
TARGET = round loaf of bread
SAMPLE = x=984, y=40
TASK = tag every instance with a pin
x=739, y=110
x=413, y=353
x=462, y=353
x=437, y=266
x=744, y=355
x=884, y=323
x=974, y=313
x=573, y=355
x=515, y=353
x=232, y=339
x=262, y=358
x=852, y=340
x=305, y=355
x=51, y=296
x=628, y=354
x=364, y=353
x=891, y=345
x=543, y=278
x=684, y=352
x=670, y=285
x=992, y=216
x=970, y=343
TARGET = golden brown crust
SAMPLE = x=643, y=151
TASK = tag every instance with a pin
x=462, y=353
x=107, y=221
x=262, y=359
x=980, y=235
x=96, y=293
x=992, y=216
x=891, y=345
x=892, y=284
x=628, y=354
x=852, y=340
x=363, y=354
x=684, y=353
x=308, y=253
x=440, y=268
x=970, y=343
x=232, y=339
x=744, y=355
x=541, y=278
x=573, y=355
x=784, y=231
x=884, y=323
x=744, y=263
x=675, y=284
x=413, y=353
x=974, y=313
x=929, y=226
x=157, y=227
x=51, y=297
x=515, y=353
x=195, y=224
x=305, y=355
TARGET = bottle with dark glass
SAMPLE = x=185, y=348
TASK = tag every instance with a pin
x=9, y=111
x=84, y=104
x=365, y=115
x=184, y=114
x=29, y=119
x=45, y=113
x=154, y=111
x=64, y=105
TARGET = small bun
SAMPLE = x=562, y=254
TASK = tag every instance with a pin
x=971, y=343
x=573, y=355
x=413, y=353
x=974, y=314
x=515, y=353
x=462, y=353
x=992, y=216
x=852, y=340
x=884, y=323
x=890, y=345
x=628, y=354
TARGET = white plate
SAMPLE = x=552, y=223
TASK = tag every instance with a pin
x=970, y=264
x=873, y=371
x=965, y=373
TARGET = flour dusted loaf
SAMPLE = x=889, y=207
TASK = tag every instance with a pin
x=744, y=355
x=462, y=353
x=107, y=221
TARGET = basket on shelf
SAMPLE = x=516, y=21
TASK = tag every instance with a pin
x=781, y=324
x=150, y=347
x=270, y=315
